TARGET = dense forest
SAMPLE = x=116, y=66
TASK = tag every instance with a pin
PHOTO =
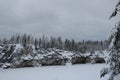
x=58, y=43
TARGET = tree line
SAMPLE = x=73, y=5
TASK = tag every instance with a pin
x=58, y=43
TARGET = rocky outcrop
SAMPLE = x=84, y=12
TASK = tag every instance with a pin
x=88, y=60
x=26, y=63
x=54, y=59
x=98, y=60
x=16, y=57
x=78, y=59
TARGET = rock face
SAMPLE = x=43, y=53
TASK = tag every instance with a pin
x=26, y=63
x=16, y=57
x=98, y=60
x=88, y=60
x=77, y=59
x=1, y=64
x=54, y=59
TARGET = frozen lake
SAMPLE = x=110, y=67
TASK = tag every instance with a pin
x=73, y=72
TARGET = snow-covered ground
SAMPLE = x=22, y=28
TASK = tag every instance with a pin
x=73, y=72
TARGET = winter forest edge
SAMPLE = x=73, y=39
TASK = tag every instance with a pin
x=20, y=51
x=24, y=50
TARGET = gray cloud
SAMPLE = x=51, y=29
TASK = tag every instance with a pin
x=74, y=19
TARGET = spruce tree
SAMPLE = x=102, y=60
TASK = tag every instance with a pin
x=36, y=43
x=114, y=56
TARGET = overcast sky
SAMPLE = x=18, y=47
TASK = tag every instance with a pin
x=73, y=19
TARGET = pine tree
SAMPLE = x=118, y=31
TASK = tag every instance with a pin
x=12, y=40
x=24, y=40
x=18, y=39
x=52, y=42
x=36, y=43
x=73, y=45
x=60, y=43
x=40, y=43
x=5, y=41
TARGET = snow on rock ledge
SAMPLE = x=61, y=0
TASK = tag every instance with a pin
x=18, y=57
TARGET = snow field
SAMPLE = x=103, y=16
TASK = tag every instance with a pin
x=73, y=72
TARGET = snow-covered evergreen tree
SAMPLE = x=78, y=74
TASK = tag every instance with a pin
x=114, y=56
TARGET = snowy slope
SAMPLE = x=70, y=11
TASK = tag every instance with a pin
x=75, y=72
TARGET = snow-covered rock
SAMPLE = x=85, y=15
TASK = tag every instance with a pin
x=53, y=59
x=18, y=56
x=6, y=65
